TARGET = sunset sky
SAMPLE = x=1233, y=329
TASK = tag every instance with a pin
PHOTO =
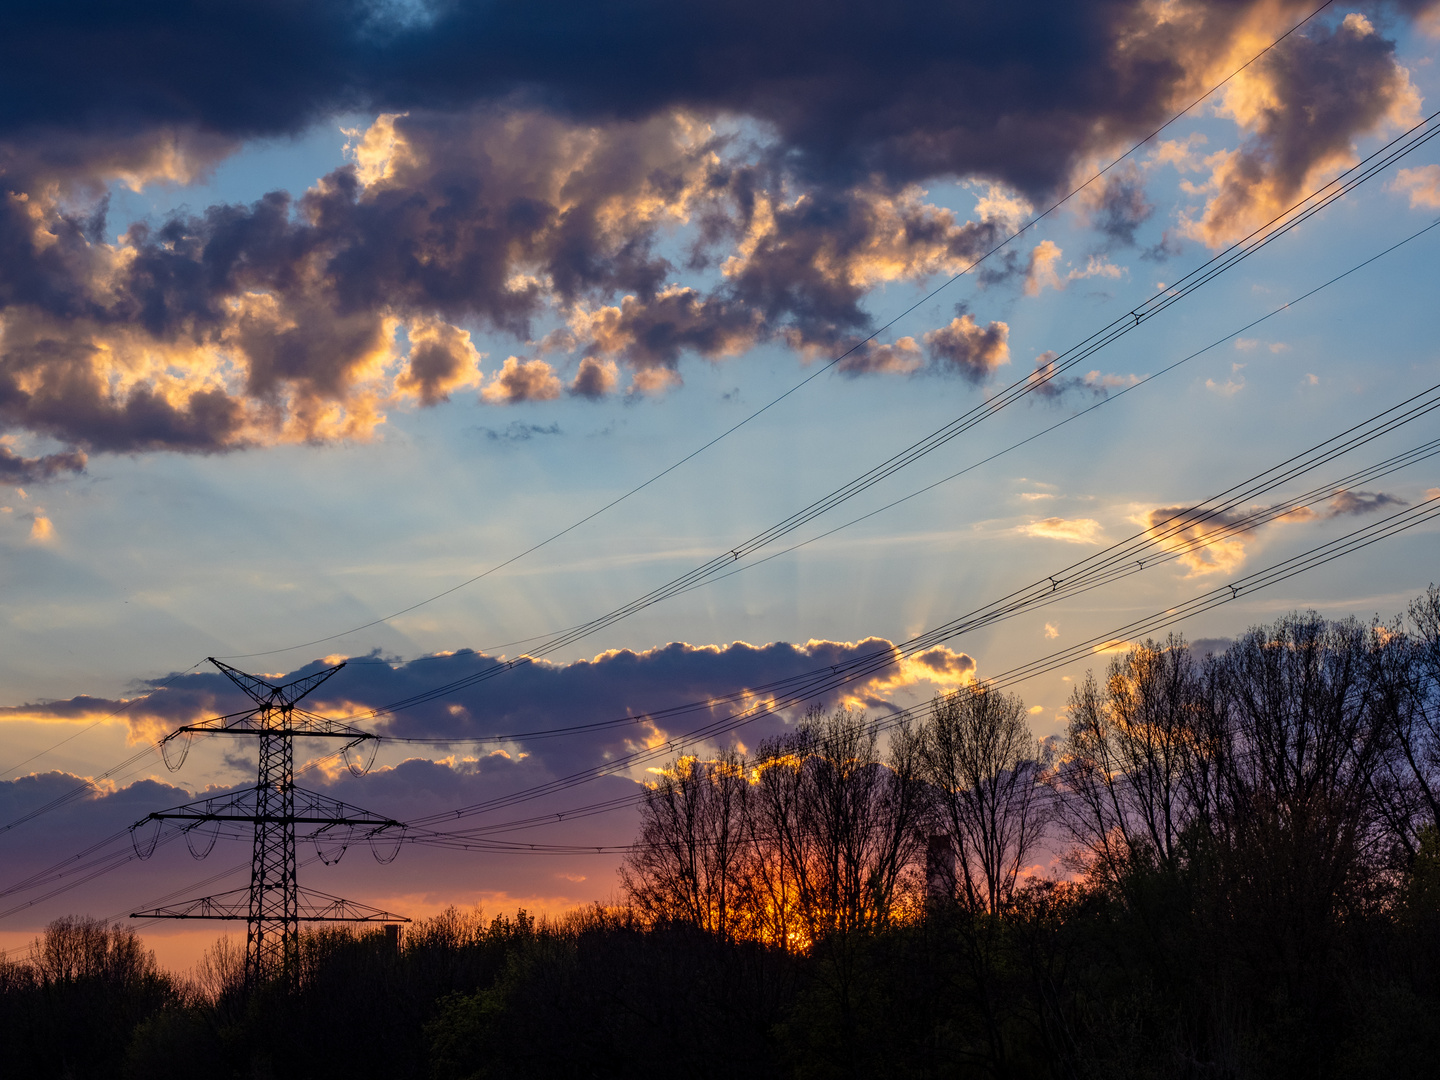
x=310, y=314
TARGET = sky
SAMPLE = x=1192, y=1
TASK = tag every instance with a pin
x=415, y=335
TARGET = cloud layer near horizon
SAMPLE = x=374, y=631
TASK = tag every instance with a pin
x=619, y=686
x=613, y=193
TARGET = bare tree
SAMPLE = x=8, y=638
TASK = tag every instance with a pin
x=1297, y=742
x=75, y=948
x=1409, y=679
x=1128, y=783
x=841, y=821
x=687, y=864
x=984, y=767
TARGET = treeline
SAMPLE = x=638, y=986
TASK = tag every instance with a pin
x=1250, y=846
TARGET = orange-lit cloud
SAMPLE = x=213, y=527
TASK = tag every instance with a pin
x=1075, y=531
x=441, y=361
x=1302, y=106
x=969, y=349
x=595, y=378
x=522, y=380
x=1422, y=184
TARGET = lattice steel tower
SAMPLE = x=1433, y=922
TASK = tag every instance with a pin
x=274, y=905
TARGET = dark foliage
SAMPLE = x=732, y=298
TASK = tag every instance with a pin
x=1257, y=894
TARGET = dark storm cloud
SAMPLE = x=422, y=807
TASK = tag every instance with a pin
x=531, y=159
x=909, y=89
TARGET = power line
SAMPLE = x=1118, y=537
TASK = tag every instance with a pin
x=1117, y=560
x=1261, y=237
x=108, y=716
x=1099, y=403
x=1099, y=569
x=1318, y=556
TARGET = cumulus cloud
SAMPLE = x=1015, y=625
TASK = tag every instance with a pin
x=1200, y=538
x=595, y=378
x=1041, y=271
x=441, y=361
x=1422, y=184
x=967, y=349
x=901, y=357
x=522, y=380
x=1304, y=104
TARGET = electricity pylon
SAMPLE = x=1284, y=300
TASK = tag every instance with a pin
x=274, y=905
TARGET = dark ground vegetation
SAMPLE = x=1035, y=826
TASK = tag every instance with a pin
x=1254, y=846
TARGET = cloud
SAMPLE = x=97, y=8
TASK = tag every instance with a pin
x=1351, y=503
x=967, y=349
x=518, y=432
x=522, y=380
x=1233, y=385
x=902, y=357
x=1304, y=103
x=17, y=469
x=978, y=93
x=1347, y=504
x=1041, y=271
x=1047, y=384
x=595, y=378
x=1206, y=544
x=621, y=685
x=1207, y=646
x=1421, y=183
x=441, y=361
x=1200, y=538
x=652, y=333
x=1116, y=203
x=42, y=529
x=520, y=169
x=1076, y=531
x=277, y=321
x=653, y=381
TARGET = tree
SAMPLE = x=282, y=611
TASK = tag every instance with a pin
x=841, y=820
x=1409, y=682
x=984, y=766
x=1296, y=739
x=687, y=864
x=1128, y=783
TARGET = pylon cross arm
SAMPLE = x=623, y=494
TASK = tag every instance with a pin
x=253, y=722
x=313, y=906
x=267, y=694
